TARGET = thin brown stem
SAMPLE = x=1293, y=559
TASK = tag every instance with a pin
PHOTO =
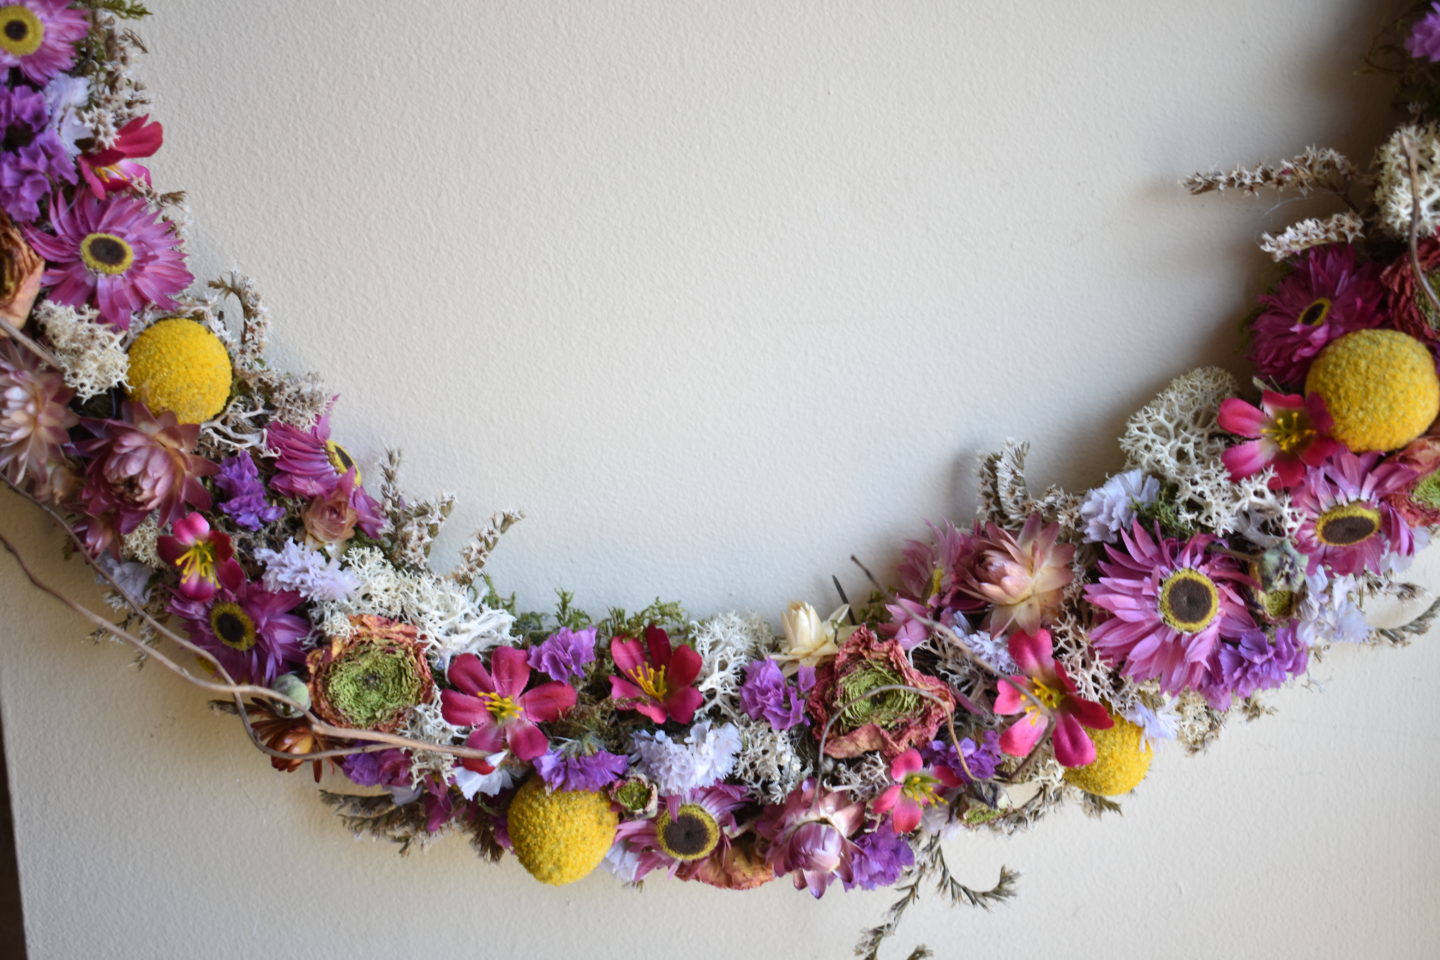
x=1408, y=146
x=29, y=344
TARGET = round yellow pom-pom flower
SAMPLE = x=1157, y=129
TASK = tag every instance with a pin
x=1122, y=758
x=560, y=836
x=180, y=366
x=1379, y=386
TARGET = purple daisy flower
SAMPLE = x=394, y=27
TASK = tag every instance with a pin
x=687, y=829
x=1349, y=526
x=879, y=858
x=579, y=768
x=765, y=694
x=250, y=630
x=239, y=479
x=39, y=37
x=1171, y=604
x=1424, y=40
x=115, y=252
x=565, y=653
x=32, y=156
x=1256, y=662
x=1325, y=296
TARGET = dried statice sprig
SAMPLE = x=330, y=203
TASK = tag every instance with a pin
x=1317, y=169
x=477, y=552
x=249, y=355
x=1005, y=497
x=1401, y=196
x=413, y=525
x=1344, y=227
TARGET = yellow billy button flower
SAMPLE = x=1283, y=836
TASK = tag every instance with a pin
x=1122, y=758
x=1379, y=386
x=560, y=836
x=178, y=365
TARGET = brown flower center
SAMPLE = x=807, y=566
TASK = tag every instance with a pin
x=1189, y=600
x=1347, y=525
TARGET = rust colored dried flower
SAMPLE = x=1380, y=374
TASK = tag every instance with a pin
x=371, y=679
x=891, y=722
x=20, y=270
x=289, y=734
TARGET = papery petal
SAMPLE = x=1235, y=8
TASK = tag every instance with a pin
x=1089, y=713
x=627, y=654
x=462, y=709
x=681, y=705
x=685, y=666
x=1031, y=652
x=1009, y=700
x=905, y=763
x=906, y=817
x=1023, y=734
x=1073, y=747
x=526, y=740
x=510, y=667
x=1239, y=417
x=657, y=641
x=887, y=799
x=548, y=701
x=468, y=673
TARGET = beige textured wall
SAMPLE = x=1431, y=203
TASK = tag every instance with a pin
x=722, y=292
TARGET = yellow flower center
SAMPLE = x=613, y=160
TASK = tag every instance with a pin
x=1046, y=694
x=21, y=32
x=920, y=787
x=501, y=708
x=233, y=626
x=1290, y=431
x=691, y=834
x=937, y=581
x=198, y=562
x=341, y=460
x=1189, y=601
x=106, y=253
x=651, y=681
x=1347, y=525
x=1315, y=314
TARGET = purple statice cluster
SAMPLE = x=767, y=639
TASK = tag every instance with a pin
x=382, y=768
x=879, y=858
x=311, y=573
x=565, y=653
x=971, y=761
x=32, y=154
x=239, y=480
x=576, y=766
x=767, y=695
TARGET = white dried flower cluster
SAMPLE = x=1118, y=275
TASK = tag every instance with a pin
x=89, y=352
x=442, y=611
x=426, y=722
x=1199, y=724
x=141, y=544
x=1178, y=438
x=1318, y=168
x=1393, y=188
x=1005, y=496
x=725, y=644
x=1344, y=227
x=867, y=774
x=768, y=763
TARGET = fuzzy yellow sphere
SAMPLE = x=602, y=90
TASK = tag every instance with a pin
x=180, y=366
x=1122, y=758
x=1379, y=385
x=560, y=836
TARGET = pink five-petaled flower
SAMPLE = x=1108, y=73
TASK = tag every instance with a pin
x=1047, y=682
x=915, y=788
x=655, y=678
x=204, y=556
x=1289, y=432
x=499, y=707
x=111, y=169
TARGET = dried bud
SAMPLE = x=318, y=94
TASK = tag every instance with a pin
x=20, y=270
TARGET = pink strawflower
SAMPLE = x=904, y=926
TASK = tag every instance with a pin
x=39, y=37
x=205, y=557
x=1022, y=577
x=1325, y=296
x=112, y=169
x=931, y=575
x=311, y=466
x=139, y=465
x=1349, y=525
x=35, y=420
x=1048, y=683
x=249, y=629
x=1424, y=40
x=809, y=836
x=1290, y=433
x=1170, y=603
x=116, y=253
x=656, y=679
x=916, y=787
x=496, y=703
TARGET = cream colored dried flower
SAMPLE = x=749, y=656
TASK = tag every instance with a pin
x=89, y=351
x=1393, y=193
x=810, y=641
x=1346, y=227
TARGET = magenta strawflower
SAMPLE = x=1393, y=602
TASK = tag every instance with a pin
x=1170, y=603
x=39, y=37
x=931, y=576
x=1324, y=297
x=1022, y=577
x=205, y=558
x=1424, y=40
x=311, y=466
x=916, y=787
x=1290, y=433
x=809, y=836
x=496, y=703
x=1052, y=697
x=1349, y=525
x=116, y=253
x=655, y=679
x=249, y=629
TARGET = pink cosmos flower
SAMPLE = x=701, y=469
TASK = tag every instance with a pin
x=655, y=680
x=205, y=557
x=112, y=169
x=115, y=252
x=1170, y=605
x=1349, y=524
x=503, y=713
x=39, y=37
x=1290, y=433
x=916, y=787
x=1046, y=680
x=809, y=836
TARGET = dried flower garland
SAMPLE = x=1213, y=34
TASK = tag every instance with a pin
x=1032, y=657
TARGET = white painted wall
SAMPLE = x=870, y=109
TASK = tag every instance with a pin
x=722, y=292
